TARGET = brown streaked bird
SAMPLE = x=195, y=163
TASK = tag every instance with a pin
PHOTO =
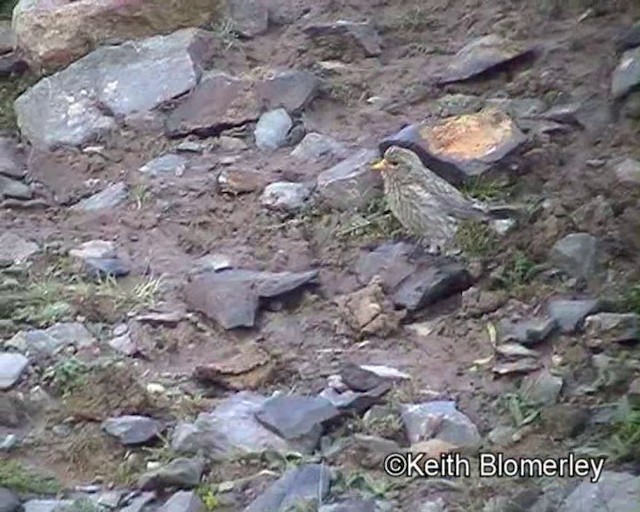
x=426, y=205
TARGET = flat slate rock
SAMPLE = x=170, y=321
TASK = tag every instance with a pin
x=482, y=55
x=132, y=430
x=137, y=76
x=14, y=249
x=570, y=314
x=315, y=146
x=358, y=33
x=412, y=285
x=614, y=491
x=298, y=419
x=576, y=254
x=9, y=501
x=461, y=147
x=11, y=368
x=14, y=189
x=291, y=90
x=231, y=297
x=12, y=159
x=183, y=501
x=181, y=473
x=626, y=77
x=250, y=17
x=218, y=102
x=529, y=331
x=296, y=487
x=231, y=428
x=46, y=342
x=169, y=164
x=110, y=197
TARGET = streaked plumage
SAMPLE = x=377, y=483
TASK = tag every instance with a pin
x=425, y=204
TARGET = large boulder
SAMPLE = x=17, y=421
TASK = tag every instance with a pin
x=54, y=33
x=83, y=101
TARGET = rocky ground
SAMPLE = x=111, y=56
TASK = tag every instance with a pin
x=205, y=303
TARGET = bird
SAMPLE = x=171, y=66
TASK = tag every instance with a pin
x=426, y=205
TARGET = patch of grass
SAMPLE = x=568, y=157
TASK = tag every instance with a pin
x=518, y=272
x=414, y=19
x=624, y=444
x=139, y=195
x=209, y=496
x=67, y=376
x=14, y=476
x=484, y=189
x=630, y=300
x=226, y=31
x=375, y=221
x=521, y=412
x=368, y=485
x=476, y=239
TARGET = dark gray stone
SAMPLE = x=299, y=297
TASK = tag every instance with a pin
x=9, y=502
x=482, y=55
x=181, y=473
x=570, y=314
x=249, y=17
x=298, y=486
x=219, y=101
x=138, y=503
x=353, y=401
x=230, y=429
x=440, y=420
x=607, y=328
x=132, y=430
x=626, y=77
x=577, y=255
x=106, y=267
x=315, y=146
x=183, y=501
x=12, y=159
x=46, y=342
x=528, y=332
x=629, y=39
x=614, y=491
x=285, y=196
x=78, y=103
x=14, y=188
x=14, y=249
x=298, y=419
x=362, y=34
x=12, y=367
x=169, y=164
x=272, y=129
x=290, y=90
x=351, y=183
x=110, y=197
x=542, y=389
x=358, y=379
x=564, y=421
x=231, y=297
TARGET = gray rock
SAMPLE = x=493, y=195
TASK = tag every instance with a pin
x=354, y=401
x=11, y=368
x=359, y=379
x=107, y=499
x=47, y=505
x=518, y=108
x=14, y=188
x=231, y=297
x=355, y=505
x=285, y=196
x=183, y=501
x=614, y=491
x=166, y=164
x=218, y=102
x=12, y=160
x=527, y=332
x=628, y=171
x=351, y=183
x=543, y=389
x=607, y=328
x=482, y=55
x=626, y=77
x=272, y=129
x=569, y=315
x=94, y=249
x=181, y=473
x=46, y=342
x=229, y=430
x=440, y=420
x=105, y=267
x=577, y=255
x=9, y=502
x=132, y=430
x=315, y=146
x=249, y=17
x=13, y=411
x=411, y=284
x=298, y=486
x=352, y=33
x=138, y=503
x=290, y=90
x=14, y=249
x=76, y=104
x=110, y=197
x=124, y=345
x=628, y=39
x=299, y=420
x=491, y=136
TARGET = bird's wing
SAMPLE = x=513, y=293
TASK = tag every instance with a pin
x=450, y=198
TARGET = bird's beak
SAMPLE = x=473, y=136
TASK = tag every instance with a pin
x=381, y=165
